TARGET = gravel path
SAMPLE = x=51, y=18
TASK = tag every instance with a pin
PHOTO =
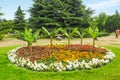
x=102, y=41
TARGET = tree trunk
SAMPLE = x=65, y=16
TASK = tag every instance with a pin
x=29, y=44
x=51, y=42
x=81, y=41
x=69, y=43
x=93, y=44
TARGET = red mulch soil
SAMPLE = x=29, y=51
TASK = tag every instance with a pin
x=38, y=52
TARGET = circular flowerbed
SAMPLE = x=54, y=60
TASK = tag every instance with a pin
x=60, y=57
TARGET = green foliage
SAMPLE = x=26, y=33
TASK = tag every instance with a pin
x=19, y=20
x=5, y=27
x=82, y=33
x=1, y=12
x=43, y=13
x=93, y=32
x=101, y=20
x=113, y=22
x=59, y=13
x=69, y=34
x=51, y=34
x=80, y=15
x=28, y=35
x=108, y=23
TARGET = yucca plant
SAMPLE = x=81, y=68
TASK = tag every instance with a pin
x=51, y=34
x=28, y=35
x=69, y=34
x=94, y=32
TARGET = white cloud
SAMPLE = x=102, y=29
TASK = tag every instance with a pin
x=107, y=6
x=104, y=4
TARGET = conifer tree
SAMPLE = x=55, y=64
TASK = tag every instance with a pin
x=59, y=13
x=19, y=20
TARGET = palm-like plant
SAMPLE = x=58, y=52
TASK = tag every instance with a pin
x=28, y=35
x=81, y=33
x=94, y=32
x=69, y=34
x=51, y=34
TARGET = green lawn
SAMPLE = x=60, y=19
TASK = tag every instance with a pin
x=9, y=71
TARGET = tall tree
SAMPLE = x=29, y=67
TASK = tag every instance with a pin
x=43, y=13
x=59, y=13
x=113, y=22
x=80, y=14
x=19, y=20
x=5, y=26
x=101, y=20
x=1, y=12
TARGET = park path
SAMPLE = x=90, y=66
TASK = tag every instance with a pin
x=102, y=41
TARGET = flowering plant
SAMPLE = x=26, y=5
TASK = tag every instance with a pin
x=60, y=58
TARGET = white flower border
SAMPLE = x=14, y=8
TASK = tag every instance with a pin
x=95, y=62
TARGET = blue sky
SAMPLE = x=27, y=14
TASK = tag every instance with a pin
x=8, y=7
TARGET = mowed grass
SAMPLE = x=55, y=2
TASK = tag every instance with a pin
x=9, y=71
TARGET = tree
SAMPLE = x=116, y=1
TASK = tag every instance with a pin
x=44, y=13
x=113, y=22
x=5, y=27
x=51, y=34
x=101, y=21
x=59, y=13
x=28, y=36
x=19, y=20
x=1, y=13
x=80, y=15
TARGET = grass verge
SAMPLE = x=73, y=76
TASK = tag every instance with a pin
x=9, y=71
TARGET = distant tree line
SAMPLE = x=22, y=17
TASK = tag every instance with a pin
x=108, y=23
x=53, y=14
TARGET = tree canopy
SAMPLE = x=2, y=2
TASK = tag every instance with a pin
x=59, y=13
x=113, y=22
x=19, y=20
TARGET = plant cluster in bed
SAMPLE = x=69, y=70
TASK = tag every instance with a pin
x=60, y=57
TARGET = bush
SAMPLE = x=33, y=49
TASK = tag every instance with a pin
x=104, y=34
x=1, y=37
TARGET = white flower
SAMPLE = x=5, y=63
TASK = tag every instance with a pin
x=87, y=66
x=76, y=64
x=106, y=61
x=28, y=63
x=95, y=61
x=58, y=68
x=69, y=67
x=109, y=55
